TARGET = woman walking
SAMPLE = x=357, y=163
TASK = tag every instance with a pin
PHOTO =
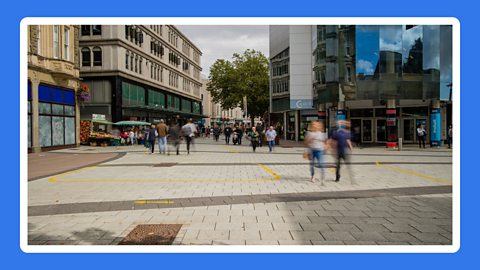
x=254, y=138
x=151, y=137
x=315, y=140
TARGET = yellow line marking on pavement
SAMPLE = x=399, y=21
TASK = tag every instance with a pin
x=275, y=176
x=153, y=202
x=54, y=179
x=232, y=151
x=443, y=181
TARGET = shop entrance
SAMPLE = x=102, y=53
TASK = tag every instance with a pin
x=362, y=130
x=381, y=130
x=408, y=130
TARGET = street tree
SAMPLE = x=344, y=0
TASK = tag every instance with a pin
x=244, y=79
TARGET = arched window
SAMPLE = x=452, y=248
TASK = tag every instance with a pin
x=97, y=56
x=86, y=61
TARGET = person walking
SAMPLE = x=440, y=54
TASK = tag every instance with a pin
x=162, y=132
x=449, y=136
x=421, y=134
x=174, y=137
x=216, y=133
x=227, y=132
x=131, y=137
x=315, y=139
x=188, y=133
x=341, y=137
x=271, y=134
x=151, y=137
x=254, y=137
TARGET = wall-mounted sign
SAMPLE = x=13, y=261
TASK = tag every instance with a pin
x=98, y=117
x=301, y=104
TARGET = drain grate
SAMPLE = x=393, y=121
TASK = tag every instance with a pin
x=152, y=234
x=165, y=165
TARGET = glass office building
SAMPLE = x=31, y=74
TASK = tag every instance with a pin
x=386, y=79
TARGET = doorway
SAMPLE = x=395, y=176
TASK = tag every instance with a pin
x=409, y=130
x=381, y=130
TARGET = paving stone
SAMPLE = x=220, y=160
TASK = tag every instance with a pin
x=229, y=242
x=315, y=227
x=401, y=220
x=245, y=235
x=262, y=212
x=354, y=243
x=338, y=236
x=334, y=207
x=398, y=237
x=429, y=228
x=243, y=219
x=372, y=227
x=213, y=235
x=368, y=236
x=264, y=226
x=201, y=226
x=323, y=220
x=376, y=220
x=332, y=213
x=431, y=237
x=401, y=214
x=327, y=243
x=394, y=243
x=216, y=219
x=275, y=235
x=280, y=213
x=378, y=213
x=262, y=242
x=400, y=228
x=197, y=242
x=348, y=220
x=295, y=242
x=269, y=219
x=304, y=213
x=306, y=235
x=353, y=213
x=237, y=226
x=286, y=226
x=344, y=227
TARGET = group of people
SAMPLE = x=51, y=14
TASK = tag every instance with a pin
x=319, y=145
x=160, y=132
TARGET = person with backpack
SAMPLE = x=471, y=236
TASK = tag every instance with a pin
x=421, y=134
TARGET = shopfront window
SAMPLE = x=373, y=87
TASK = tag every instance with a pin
x=56, y=116
x=156, y=99
x=132, y=94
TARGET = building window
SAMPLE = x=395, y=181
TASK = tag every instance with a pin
x=126, y=60
x=97, y=56
x=56, y=36
x=140, y=66
x=86, y=62
x=131, y=62
x=136, y=63
x=66, y=43
x=85, y=30
x=96, y=30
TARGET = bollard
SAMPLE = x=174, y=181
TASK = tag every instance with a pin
x=400, y=144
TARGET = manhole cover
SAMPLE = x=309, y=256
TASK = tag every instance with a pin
x=165, y=165
x=152, y=234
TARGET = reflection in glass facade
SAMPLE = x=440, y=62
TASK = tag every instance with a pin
x=403, y=62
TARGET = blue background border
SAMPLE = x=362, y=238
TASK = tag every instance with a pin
x=14, y=11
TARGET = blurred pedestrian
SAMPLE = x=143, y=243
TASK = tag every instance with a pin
x=449, y=136
x=254, y=137
x=188, y=132
x=271, y=134
x=174, y=137
x=341, y=138
x=216, y=132
x=316, y=139
x=227, y=132
x=151, y=137
x=162, y=131
x=421, y=134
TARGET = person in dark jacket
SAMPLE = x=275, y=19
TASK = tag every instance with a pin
x=174, y=137
x=216, y=132
x=342, y=140
x=151, y=137
x=227, y=132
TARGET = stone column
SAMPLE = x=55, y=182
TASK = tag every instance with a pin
x=297, y=131
x=36, y=148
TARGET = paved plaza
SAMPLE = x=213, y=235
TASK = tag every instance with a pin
x=227, y=195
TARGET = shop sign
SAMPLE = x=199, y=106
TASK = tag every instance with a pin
x=98, y=117
x=435, y=127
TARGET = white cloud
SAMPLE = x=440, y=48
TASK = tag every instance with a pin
x=222, y=41
x=364, y=66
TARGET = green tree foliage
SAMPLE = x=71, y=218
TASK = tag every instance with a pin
x=245, y=76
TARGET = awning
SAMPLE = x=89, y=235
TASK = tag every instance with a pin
x=105, y=122
x=132, y=123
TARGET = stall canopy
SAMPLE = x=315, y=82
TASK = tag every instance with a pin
x=132, y=123
x=105, y=122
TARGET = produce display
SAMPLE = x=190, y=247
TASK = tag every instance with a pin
x=101, y=135
x=85, y=127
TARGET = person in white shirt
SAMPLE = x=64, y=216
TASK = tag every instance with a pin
x=271, y=134
x=421, y=134
x=131, y=136
x=315, y=140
